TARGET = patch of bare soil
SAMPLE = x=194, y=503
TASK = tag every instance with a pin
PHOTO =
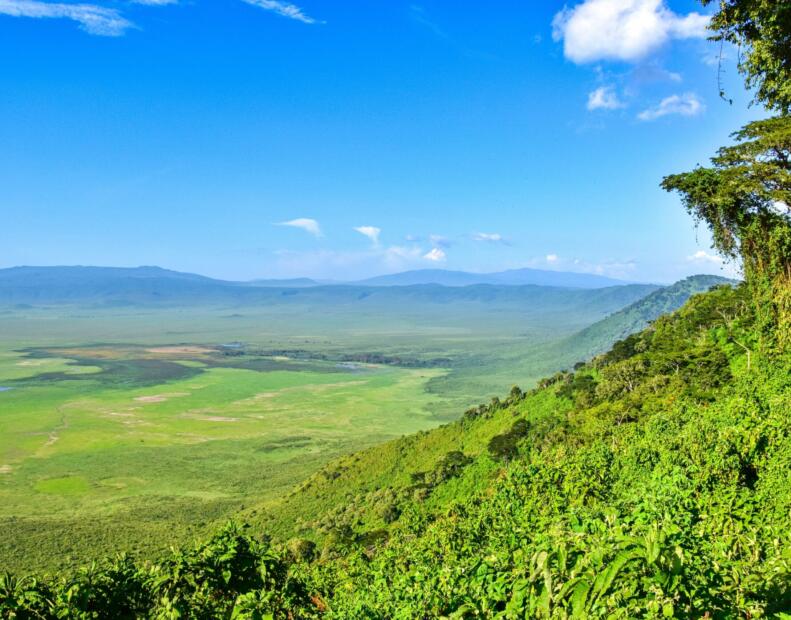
x=180, y=350
x=160, y=398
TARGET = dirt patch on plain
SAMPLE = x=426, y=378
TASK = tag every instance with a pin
x=97, y=353
x=180, y=350
x=160, y=398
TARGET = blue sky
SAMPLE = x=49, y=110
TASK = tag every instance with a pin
x=256, y=138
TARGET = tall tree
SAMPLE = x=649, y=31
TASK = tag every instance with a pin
x=745, y=196
x=744, y=199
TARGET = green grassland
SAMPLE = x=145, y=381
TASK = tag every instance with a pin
x=137, y=428
x=88, y=454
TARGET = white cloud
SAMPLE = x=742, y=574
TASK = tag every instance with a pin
x=285, y=9
x=623, y=269
x=604, y=98
x=372, y=232
x=345, y=264
x=435, y=255
x=305, y=223
x=489, y=237
x=626, y=30
x=706, y=262
x=704, y=257
x=687, y=104
x=92, y=19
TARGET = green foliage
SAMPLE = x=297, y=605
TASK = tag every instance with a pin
x=230, y=576
x=301, y=549
x=505, y=446
x=737, y=196
x=761, y=29
x=744, y=199
x=651, y=482
x=599, y=337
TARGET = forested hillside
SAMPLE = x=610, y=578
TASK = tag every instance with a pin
x=598, y=337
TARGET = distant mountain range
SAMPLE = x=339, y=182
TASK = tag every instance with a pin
x=54, y=285
x=285, y=283
x=111, y=286
x=147, y=286
x=31, y=281
x=512, y=277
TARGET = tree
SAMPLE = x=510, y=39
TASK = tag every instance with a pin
x=762, y=31
x=744, y=199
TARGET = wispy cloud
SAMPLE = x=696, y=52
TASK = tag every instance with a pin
x=372, y=232
x=604, y=98
x=420, y=16
x=433, y=240
x=687, y=104
x=284, y=9
x=91, y=18
x=488, y=237
x=305, y=223
x=435, y=255
x=706, y=261
x=623, y=269
x=627, y=30
x=704, y=257
x=347, y=264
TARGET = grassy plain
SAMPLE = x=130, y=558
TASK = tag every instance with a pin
x=82, y=460
x=136, y=429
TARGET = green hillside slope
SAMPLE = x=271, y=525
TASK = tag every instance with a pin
x=598, y=337
x=652, y=482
